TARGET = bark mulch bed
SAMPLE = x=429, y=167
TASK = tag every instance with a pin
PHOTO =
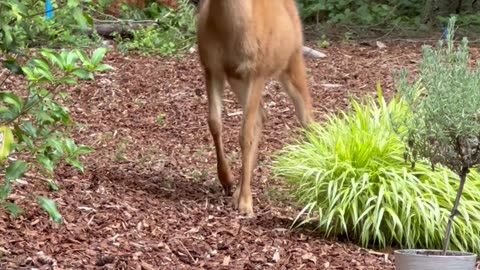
x=149, y=198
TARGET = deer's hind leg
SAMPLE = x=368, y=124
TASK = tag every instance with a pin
x=215, y=87
x=294, y=82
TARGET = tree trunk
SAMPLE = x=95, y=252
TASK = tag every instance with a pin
x=446, y=240
x=473, y=6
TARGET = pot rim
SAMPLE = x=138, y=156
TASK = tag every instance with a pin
x=412, y=252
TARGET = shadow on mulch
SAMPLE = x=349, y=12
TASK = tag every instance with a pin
x=162, y=185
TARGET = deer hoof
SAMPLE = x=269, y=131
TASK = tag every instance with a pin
x=226, y=179
x=247, y=211
x=245, y=207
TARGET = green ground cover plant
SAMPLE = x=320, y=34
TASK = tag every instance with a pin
x=351, y=175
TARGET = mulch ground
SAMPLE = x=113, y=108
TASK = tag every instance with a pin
x=149, y=198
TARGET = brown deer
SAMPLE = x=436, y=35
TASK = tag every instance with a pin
x=245, y=43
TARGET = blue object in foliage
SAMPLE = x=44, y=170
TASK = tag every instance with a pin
x=445, y=32
x=48, y=9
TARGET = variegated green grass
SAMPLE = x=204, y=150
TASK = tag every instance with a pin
x=351, y=175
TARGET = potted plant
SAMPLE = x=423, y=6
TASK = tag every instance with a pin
x=445, y=129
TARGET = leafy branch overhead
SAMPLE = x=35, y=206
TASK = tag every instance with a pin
x=31, y=125
x=23, y=24
x=33, y=120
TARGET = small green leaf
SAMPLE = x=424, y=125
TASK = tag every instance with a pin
x=19, y=9
x=11, y=64
x=59, y=113
x=57, y=145
x=31, y=101
x=41, y=63
x=75, y=163
x=15, y=170
x=23, y=138
x=14, y=209
x=43, y=92
x=67, y=80
x=83, y=74
x=29, y=72
x=83, y=56
x=98, y=55
x=6, y=140
x=103, y=67
x=78, y=15
x=43, y=117
x=63, y=95
x=5, y=189
x=70, y=146
x=70, y=58
x=53, y=185
x=50, y=207
x=30, y=129
x=11, y=99
x=44, y=73
x=8, y=115
x=45, y=162
x=83, y=150
x=72, y=3
x=88, y=18
x=53, y=57
x=7, y=35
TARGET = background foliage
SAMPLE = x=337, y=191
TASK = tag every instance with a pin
x=24, y=24
x=168, y=30
x=173, y=32
x=370, y=12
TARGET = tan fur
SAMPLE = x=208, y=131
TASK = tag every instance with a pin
x=244, y=43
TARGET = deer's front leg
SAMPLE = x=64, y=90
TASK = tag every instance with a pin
x=215, y=87
x=249, y=139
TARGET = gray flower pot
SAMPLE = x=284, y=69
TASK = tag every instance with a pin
x=425, y=259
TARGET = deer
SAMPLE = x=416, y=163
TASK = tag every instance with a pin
x=245, y=43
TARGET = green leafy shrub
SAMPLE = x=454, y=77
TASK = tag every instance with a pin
x=351, y=174
x=445, y=126
x=173, y=32
x=169, y=31
x=403, y=13
x=25, y=21
x=365, y=12
x=32, y=122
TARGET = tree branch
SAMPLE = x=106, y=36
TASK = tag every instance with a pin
x=454, y=212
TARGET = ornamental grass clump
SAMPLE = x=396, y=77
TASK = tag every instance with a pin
x=445, y=126
x=351, y=175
